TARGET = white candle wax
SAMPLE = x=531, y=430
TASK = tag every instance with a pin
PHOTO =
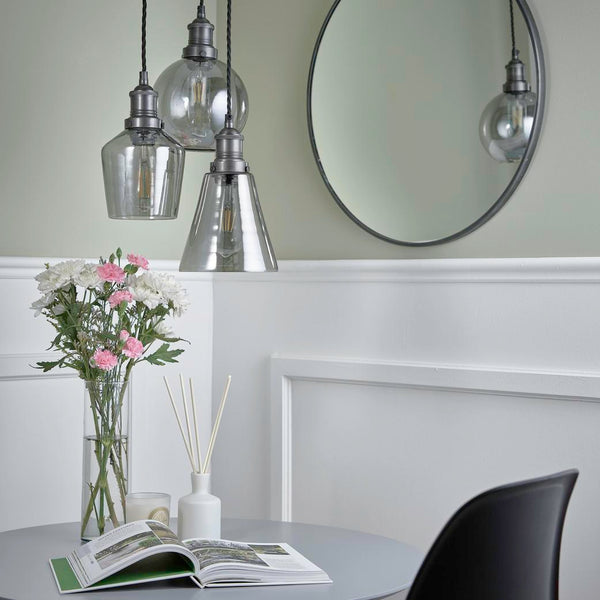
x=147, y=505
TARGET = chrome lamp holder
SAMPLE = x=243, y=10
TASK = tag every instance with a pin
x=229, y=157
x=515, y=76
x=144, y=111
x=200, y=41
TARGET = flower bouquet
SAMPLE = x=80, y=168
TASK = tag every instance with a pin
x=107, y=318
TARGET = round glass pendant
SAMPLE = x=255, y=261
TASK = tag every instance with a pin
x=505, y=125
x=192, y=101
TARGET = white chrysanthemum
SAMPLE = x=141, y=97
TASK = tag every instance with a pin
x=88, y=277
x=164, y=329
x=153, y=289
x=59, y=275
x=43, y=302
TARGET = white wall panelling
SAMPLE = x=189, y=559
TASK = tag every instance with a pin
x=569, y=387
x=42, y=414
x=405, y=387
x=392, y=391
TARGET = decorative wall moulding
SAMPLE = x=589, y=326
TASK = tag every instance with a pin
x=19, y=367
x=553, y=386
x=24, y=267
x=446, y=270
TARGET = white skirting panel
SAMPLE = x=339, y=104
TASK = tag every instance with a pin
x=381, y=395
x=42, y=414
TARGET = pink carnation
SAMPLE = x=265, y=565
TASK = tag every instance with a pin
x=138, y=260
x=120, y=296
x=133, y=348
x=124, y=334
x=105, y=360
x=110, y=272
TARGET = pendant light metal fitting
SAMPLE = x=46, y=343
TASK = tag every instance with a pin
x=200, y=42
x=515, y=69
x=144, y=113
x=515, y=76
x=229, y=157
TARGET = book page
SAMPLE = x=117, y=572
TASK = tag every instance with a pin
x=121, y=547
x=211, y=552
x=224, y=560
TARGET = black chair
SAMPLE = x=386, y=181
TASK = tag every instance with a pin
x=502, y=545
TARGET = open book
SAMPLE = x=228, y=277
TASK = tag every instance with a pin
x=149, y=551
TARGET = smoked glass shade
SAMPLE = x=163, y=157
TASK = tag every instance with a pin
x=505, y=125
x=192, y=101
x=228, y=232
x=143, y=171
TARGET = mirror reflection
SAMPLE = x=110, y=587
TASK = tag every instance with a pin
x=397, y=101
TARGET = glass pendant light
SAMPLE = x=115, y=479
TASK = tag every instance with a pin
x=143, y=166
x=506, y=122
x=192, y=91
x=228, y=232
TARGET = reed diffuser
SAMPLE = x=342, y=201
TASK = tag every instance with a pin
x=199, y=513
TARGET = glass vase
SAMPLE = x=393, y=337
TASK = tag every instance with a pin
x=105, y=456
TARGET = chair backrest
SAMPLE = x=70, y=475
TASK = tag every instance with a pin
x=503, y=544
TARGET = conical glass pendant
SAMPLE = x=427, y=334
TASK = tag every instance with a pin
x=228, y=232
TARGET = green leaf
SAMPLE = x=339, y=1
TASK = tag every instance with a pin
x=47, y=365
x=163, y=355
x=119, y=253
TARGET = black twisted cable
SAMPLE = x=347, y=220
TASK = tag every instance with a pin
x=228, y=115
x=512, y=26
x=144, y=11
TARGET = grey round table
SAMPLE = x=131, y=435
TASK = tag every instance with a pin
x=361, y=565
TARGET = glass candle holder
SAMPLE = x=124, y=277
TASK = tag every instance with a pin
x=154, y=506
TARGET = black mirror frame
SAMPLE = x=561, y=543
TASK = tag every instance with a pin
x=519, y=173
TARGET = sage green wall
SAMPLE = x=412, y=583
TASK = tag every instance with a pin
x=66, y=67
x=555, y=211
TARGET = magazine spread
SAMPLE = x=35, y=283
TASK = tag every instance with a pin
x=149, y=551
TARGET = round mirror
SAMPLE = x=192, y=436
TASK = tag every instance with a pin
x=396, y=94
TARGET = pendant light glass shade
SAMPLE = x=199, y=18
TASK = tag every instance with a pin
x=192, y=92
x=228, y=232
x=506, y=124
x=143, y=171
x=192, y=101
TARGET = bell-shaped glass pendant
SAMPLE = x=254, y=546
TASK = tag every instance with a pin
x=192, y=92
x=143, y=171
x=228, y=232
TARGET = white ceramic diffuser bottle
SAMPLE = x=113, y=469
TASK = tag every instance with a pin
x=199, y=513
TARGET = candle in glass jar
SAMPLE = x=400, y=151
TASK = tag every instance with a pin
x=147, y=505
